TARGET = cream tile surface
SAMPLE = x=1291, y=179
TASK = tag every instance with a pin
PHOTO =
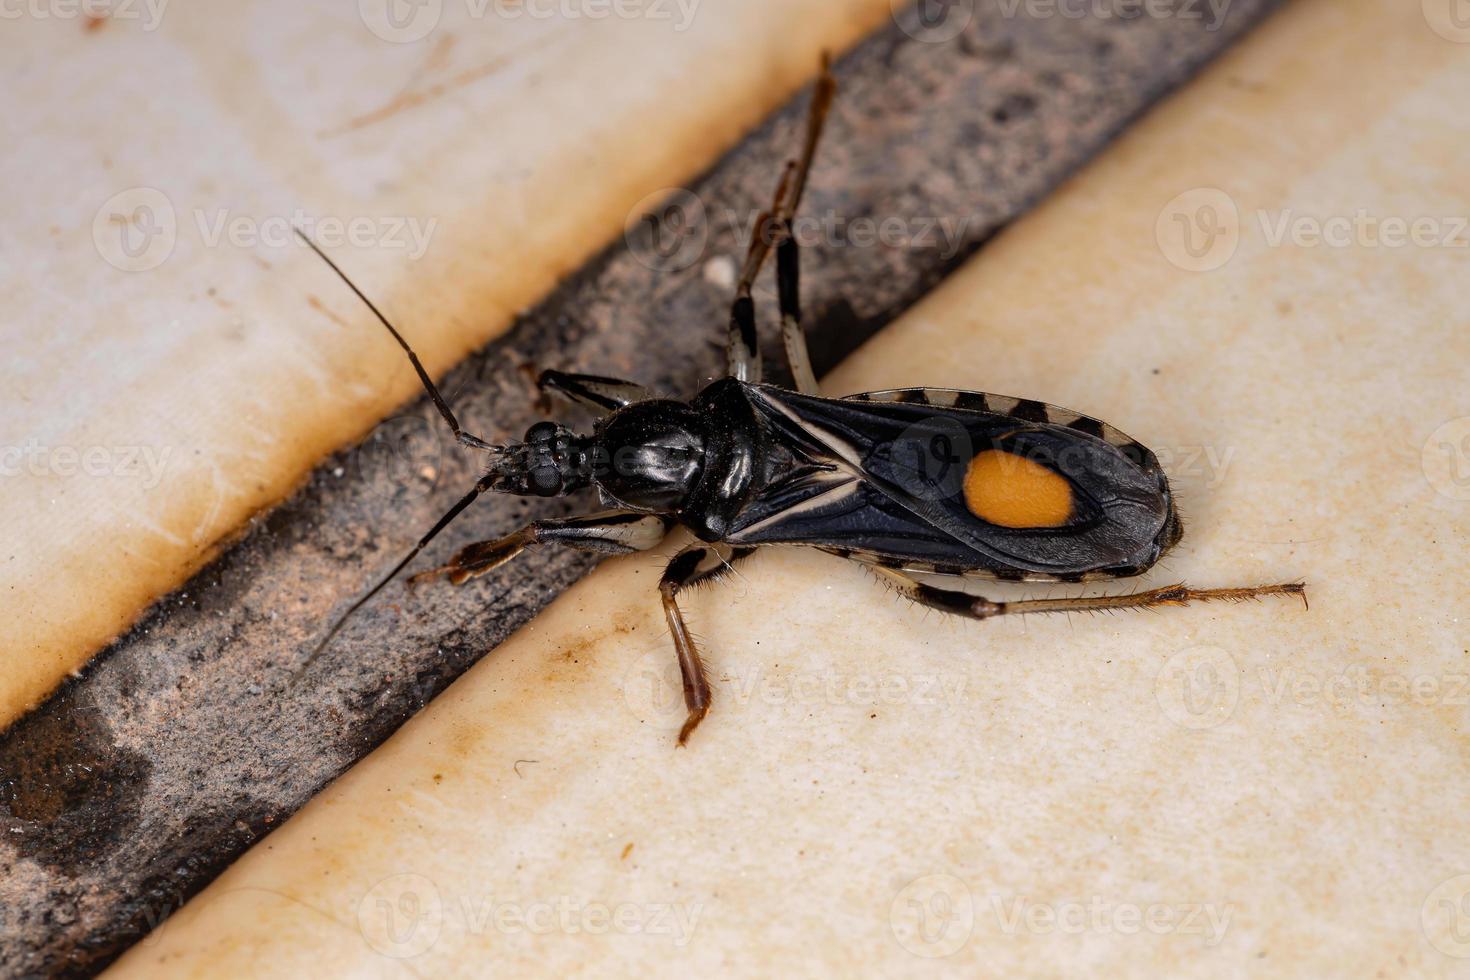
x=1251, y=790
x=176, y=363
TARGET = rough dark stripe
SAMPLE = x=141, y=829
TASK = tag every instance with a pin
x=742, y=313
x=1029, y=411
x=959, y=602
x=973, y=401
x=1137, y=452
x=110, y=840
x=788, y=277
x=1091, y=427
x=683, y=568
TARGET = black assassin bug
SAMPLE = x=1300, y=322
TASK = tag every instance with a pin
x=916, y=483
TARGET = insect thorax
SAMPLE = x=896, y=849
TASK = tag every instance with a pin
x=695, y=460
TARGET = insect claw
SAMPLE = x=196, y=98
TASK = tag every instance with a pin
x=431, y=575
x=691, y=723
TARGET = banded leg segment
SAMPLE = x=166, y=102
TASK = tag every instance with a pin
x=793, y=338
x=695, y=565
x=611, y=533
x=978, y=607
x=773, y=230
x=788, y=252
x=743, y=348
x=593, y=391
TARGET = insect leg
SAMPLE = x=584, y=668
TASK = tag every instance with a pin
x=788, y=252
x=695, y=565
x=462, y=437
x=788, y=278
x=743, y=348
x=770, y=228
x=604, y=394
x=977, y=607
x=610, y=533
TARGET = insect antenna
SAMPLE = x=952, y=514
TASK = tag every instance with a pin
x=461, y=436
x=485, y=483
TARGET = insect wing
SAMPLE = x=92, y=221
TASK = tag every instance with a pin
x=918, y=478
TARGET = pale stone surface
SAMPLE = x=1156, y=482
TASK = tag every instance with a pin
x=174, y=363
x=1209, y=791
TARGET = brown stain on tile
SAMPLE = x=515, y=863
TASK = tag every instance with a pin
x=67, y=791
x=326, y=311
x=413, y=97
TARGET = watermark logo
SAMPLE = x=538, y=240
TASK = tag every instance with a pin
x=670, y=230
x=407, y=21
x=933, y=916
x=400, y=460
x=927, y=459
x=1199, y=230
x=1445, y=459
x=1198, y=688
x=401, y=917
x=1445, y=917
x=401, y=21
x=653, y=688
x=136, y=230
x=149, y=13
x=933, y=21
x=1450, y=19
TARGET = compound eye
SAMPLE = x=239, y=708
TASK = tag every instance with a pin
x=545, y=481
x=1012, y=491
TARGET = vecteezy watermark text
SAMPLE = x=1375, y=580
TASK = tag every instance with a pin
x=138, y=229
x=143, y=463
x=935, y=916
x=407, y=21
x=1212, y=12
x=1102, y=915
x=670, y=230
x=402, y=916
x=148, y=12
x=1201, y=229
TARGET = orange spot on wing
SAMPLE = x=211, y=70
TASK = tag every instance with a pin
x=1012, y=491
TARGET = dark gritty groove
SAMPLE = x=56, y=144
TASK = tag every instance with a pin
x=180, y=745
